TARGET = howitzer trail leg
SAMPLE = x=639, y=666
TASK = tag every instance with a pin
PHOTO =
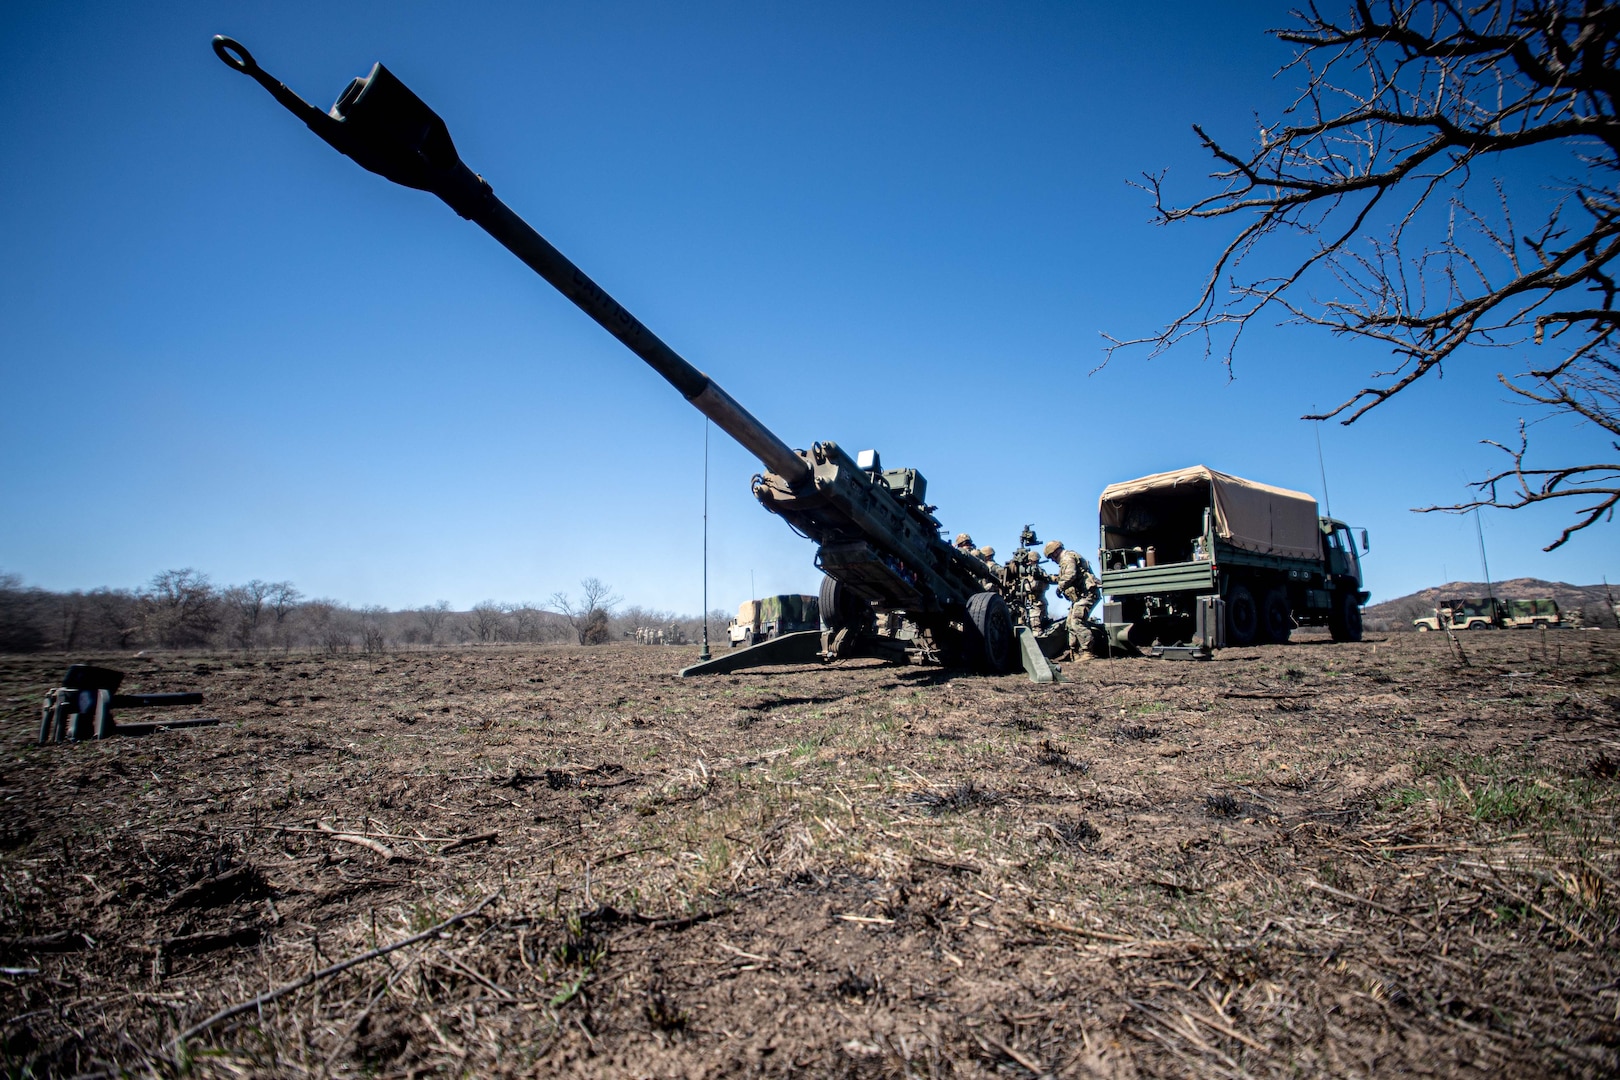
x=801, y=648
x=1036, y=665
x=871, y=646
x=105, y=727
x=62, y=714
x=84, y=715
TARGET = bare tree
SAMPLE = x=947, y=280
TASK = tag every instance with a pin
x=1391, y=180
x=180, y=608
x=115, y=616
x=329, y=624
x=71, y=611
x=589, y=617
x=20, y=616
x=373, y=637
x=283, y=600
x=432, y=617
x=245, y=603
x=488, y=620
x=525, y=621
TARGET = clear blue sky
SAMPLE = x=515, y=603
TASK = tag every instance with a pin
x=891, y=225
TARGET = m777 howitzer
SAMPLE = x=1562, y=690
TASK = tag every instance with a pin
x=894, y=588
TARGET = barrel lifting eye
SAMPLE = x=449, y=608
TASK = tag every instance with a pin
x=235, y=54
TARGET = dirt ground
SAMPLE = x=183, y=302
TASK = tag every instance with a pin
x=1314, y=859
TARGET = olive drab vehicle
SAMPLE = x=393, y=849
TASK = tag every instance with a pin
x=1200, y=556
x=1531, y=614
x=894, y=587
x=773, y=616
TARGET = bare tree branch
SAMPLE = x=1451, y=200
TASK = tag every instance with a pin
x=1390, y=165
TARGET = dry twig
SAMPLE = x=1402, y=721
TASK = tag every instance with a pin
x=327, y=972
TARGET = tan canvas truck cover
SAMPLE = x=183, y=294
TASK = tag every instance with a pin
x=1251, y=516
x=748, y=613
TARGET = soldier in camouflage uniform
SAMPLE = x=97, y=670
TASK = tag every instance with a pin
x=987, y=555
x=1029, y=582
x=964, y=543
x=1077, y=584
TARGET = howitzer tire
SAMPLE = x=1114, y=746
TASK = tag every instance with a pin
x=1276, y=617
x=1344, y=624
x=1242, y=616
x=840, y=607
x=990, y=641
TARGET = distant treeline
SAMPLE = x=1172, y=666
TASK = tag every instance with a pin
x=182, y=609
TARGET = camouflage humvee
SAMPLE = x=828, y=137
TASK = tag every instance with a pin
x=1463, y=613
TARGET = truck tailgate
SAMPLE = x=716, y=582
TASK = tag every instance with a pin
x=1173, y=577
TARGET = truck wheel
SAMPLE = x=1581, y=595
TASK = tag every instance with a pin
x=1344, y=624
x=1277, y=618
x=989, y=633
x=1423, y=629
x=840, y=607
x=1242, y=617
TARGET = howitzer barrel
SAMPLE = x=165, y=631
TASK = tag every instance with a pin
x=390, y=131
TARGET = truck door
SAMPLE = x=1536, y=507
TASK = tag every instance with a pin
x=1341, y=552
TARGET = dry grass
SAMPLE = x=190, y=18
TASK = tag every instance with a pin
x=1315, y=859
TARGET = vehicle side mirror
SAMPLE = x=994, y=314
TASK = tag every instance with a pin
x=1364, y=546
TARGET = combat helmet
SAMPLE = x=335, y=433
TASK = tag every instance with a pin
x=1052, y=548
x=964, y=541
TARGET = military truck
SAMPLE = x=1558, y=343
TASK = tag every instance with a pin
x=1204, y=557
x=1462, y=613
x=1489, y=613
x=773, y=616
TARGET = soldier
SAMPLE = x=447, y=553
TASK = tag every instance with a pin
x=1077, y=584
x=1029, y=583
x=964, y=543
x=987, y=555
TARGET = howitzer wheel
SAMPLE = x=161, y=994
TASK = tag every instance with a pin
x=988, y=630
x=840, y=607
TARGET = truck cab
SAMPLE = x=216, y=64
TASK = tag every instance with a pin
x=1339, y=544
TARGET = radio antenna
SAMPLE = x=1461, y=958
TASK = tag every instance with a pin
x=1321, y=467
x=705, y=654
